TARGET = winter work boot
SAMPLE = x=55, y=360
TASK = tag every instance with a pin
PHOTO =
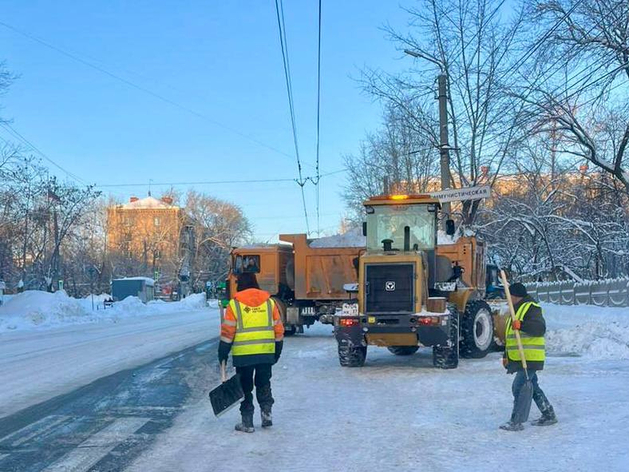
x=267, y=419
x=548, y=417
x=246, y=426
x=511, y=426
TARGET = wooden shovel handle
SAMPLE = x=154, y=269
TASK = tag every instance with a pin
x=224, y=372
x=505, y=283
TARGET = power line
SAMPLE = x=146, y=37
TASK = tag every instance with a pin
x=141, y=88
x=281, y=24
x=19, y=136
x=199, y=182
x=212, y=182
x=318, y=188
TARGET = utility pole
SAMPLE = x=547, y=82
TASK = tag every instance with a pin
x=444, y=147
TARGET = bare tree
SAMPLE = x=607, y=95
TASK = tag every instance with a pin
x=474, y=45
x=583, y=95
x=396, y=154
x=218, y=226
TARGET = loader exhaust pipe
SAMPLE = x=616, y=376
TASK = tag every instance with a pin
x=407, y=238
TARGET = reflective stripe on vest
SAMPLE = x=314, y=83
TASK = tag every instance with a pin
x=254, y=329
x=534, y=346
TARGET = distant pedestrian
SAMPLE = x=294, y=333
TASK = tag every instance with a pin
x=252, y=330
x=532, y=326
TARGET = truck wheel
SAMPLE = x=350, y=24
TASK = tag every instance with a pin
x=351, y=356
x=447, y=357
x=403, y=350
x=477, y=330
x=290, y=330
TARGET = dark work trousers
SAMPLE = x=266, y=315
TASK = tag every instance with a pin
x=260, y=376
x=538, y=395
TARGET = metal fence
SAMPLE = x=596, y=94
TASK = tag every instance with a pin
x=609, y=292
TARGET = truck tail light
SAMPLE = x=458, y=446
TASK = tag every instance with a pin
x=348, y=322
x=429, y=320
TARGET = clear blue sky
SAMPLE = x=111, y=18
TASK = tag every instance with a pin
x=219, y=58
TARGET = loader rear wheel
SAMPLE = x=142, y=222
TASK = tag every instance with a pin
x=477, y=330
x=447, y=356
x=352, y=356
x=403, y=350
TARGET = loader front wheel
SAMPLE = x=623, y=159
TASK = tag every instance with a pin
x=352, y=356
x=403, y=350
x=477, y=330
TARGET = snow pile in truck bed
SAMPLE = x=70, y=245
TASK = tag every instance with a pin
x=588, y=331
x=35, y=309
x=353, y=238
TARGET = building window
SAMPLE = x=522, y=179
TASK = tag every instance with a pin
x=156, y=221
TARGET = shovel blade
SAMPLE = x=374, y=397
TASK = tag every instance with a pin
x=522, y=406
x=226, y=395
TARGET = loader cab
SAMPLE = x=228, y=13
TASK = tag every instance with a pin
x=401, y=223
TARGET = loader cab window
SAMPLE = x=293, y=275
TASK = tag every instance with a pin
x=247, y=264
x=390, y=221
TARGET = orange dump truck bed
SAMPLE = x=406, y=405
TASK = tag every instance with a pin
x=321, y=272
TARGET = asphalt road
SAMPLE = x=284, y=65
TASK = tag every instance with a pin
x=106, y=424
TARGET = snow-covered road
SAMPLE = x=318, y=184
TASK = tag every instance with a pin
x=396, y=413
x=37, y=365
x=402, y=414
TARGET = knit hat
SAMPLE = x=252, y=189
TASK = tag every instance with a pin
x=518, y=290
x=246, y=280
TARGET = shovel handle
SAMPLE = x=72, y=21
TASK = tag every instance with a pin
x=505, y=283
x=224, y=372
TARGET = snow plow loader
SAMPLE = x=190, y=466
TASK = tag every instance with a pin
x=417, y=287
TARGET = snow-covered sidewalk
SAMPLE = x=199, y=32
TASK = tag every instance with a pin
x=38, y=364
x=401, y=414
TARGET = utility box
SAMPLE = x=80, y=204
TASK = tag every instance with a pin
x=141, y=287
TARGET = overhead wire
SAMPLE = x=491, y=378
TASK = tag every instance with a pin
x=281, y=24
x=15, y=133
x=318, y=187
x=141, y=88
x=209, y=182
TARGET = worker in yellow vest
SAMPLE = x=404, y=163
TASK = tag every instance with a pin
x=252, y=330
x=532, y=326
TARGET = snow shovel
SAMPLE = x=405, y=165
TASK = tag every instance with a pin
x=522, y=406
x=227, y=394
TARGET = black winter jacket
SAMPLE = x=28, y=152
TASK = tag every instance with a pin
x=533, y=324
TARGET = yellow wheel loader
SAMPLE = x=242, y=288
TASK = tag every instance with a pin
x=417, y=287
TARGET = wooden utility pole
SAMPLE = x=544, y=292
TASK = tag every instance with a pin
x=444, y=147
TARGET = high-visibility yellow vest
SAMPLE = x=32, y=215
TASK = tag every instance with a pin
x=534, y=346
x=254, y=329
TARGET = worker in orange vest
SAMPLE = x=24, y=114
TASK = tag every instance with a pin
x=252, y=330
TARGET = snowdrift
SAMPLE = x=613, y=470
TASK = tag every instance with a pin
x=589, y=331
x=36, y=310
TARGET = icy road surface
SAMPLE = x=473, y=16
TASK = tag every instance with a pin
x=38, y=365
x=400, y=414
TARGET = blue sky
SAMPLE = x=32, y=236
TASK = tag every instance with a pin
x=220, y=59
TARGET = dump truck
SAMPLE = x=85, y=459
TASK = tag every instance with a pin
x=307, y=281
x=417, y=287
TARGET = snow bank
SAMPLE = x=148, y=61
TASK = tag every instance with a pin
x=34, y=309
x=353, y=238
x=588, y=331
